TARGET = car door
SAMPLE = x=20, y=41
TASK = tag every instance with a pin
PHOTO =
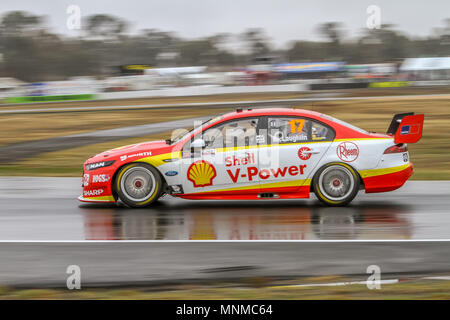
x=228, y=162
x=296, y=145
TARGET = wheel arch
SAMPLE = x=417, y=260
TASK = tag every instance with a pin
x=361, y=181
x=113, y=180
x=348, y=197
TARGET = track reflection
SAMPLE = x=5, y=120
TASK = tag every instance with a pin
x=275, y=220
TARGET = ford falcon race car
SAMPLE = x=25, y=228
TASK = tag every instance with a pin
x=258, y=154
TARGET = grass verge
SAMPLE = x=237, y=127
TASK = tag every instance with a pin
x=69, y=162
x=411, y=290
x=28, y=127
x=431, y=155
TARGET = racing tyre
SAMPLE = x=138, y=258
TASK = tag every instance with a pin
x=138, y=185
x=336, y=184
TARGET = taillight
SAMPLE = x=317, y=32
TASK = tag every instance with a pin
x=398, y=148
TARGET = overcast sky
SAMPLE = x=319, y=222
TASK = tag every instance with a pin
x=283, y=20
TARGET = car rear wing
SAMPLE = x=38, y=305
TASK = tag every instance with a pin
x=406, y=127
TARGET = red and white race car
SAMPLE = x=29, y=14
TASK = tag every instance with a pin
x=258, y=154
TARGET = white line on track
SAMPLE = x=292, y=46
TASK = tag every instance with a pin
x=366, y=282
x=226, y=241
x=337, y=284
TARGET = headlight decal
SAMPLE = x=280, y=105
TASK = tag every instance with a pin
x=97, y=165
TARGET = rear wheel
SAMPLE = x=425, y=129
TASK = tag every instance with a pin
x=336, y=184
x=138, y=185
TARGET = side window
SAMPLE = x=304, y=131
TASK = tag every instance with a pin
x=288, y=130
x=320, y=132
x=230, y=134
x=284, y=130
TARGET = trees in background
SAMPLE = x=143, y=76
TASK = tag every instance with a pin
x=31, y=52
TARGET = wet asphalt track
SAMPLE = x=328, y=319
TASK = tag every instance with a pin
x=46, y=209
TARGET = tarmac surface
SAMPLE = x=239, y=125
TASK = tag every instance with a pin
x=128, y=264
x=37, y=208
x=44, y=229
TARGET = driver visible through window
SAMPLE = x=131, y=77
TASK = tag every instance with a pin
x=237, y=133
x=232, y=134
x=296, y=130
x=288, y=130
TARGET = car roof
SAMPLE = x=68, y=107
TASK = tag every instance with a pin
x=342, y=131
x=271, y=111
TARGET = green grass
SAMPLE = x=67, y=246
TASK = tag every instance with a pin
x=414, y=289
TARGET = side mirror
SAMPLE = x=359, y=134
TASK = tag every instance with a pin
x=198, y=144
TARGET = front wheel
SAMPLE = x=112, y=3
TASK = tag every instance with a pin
x=138, y=185
x=336, y=184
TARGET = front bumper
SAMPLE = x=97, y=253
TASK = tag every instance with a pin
x=97, y=185
x=104, y=199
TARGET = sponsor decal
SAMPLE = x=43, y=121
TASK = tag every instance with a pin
x=297, y=125
x=176, y=189
x=171, y=173
x=100, y=178
x=92, y=193
x=96, y=165
x=187, y=154
x=347, y=151
x=405, y=130
x=260, y=139
x=85, y=179
x=201, y=173
x=209, y=152
x=264, y=174
x=249, y=158
x=294, y=138
x=140, y=154
x=405, y=157
x=303, y=153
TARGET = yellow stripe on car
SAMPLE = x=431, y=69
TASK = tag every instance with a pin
x=101, y=198
x=267, y=146
x=294, y=183
x=159, y=159
x=362, y=139
x=293, y=144
x=382, y=171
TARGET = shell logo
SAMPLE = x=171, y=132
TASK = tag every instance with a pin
x=201, y=173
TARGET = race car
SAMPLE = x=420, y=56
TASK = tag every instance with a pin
x=272, y=153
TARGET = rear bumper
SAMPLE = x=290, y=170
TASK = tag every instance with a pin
x=388, y=181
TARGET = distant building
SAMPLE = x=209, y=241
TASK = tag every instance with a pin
x=437, y=68
x=310, y=70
